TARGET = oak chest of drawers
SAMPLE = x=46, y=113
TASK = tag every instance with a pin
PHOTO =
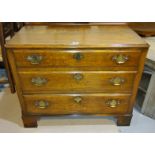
x=65, y=70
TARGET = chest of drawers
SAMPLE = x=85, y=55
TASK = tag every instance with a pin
x=66, y=70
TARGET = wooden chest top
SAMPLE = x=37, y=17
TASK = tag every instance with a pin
x=79, y=36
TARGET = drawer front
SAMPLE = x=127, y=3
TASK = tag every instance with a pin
x=76, y=104
x=90, y=81
x=77, y=58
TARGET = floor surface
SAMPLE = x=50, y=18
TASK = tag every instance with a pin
x=10, y=121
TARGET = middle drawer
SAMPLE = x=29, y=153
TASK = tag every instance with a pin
x=77, y=81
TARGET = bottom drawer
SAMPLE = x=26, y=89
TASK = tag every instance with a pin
x=54, y=104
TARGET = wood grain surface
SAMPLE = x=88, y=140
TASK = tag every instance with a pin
x=91, y=81
x=65, y=104
x=77, y=36
x=67, y=58
x=76, y=61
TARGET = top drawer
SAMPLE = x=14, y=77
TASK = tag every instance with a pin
x=77, y=58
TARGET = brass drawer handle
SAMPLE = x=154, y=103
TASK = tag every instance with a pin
x=77, y=99
x=78, y=76
x=38, y=81
x=78, y=56
x=113, y=103
x=117, y=81
x=41, y=104
x=120, y=59
x=34, y=59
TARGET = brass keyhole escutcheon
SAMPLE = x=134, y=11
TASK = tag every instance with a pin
x=77, y=99
x=78, y=56
x=78, y=76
